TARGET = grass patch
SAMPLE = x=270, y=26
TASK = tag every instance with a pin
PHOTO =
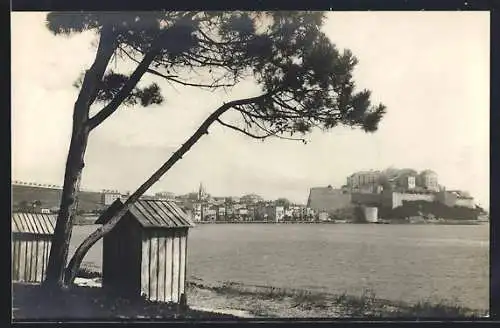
x=262, y=300
x=33, y=302
x=440, y=309
x=324, y=304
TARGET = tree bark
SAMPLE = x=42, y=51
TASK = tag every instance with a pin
x=75, y=160
x=84, y=247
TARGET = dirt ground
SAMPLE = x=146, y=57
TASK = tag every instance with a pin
x=226, y=301
x=30, y=303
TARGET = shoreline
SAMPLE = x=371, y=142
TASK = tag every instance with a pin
x=255, y=301
x=386, y=222
x=398, y=222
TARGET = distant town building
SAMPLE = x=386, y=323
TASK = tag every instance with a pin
x=109, y=196
x=221, y=213
x=363, y=178
x=407, y=182
x=197, y=212
x=429, y=180
x=209, y=214
x=309, y=212
x=202, y=193
x=323, y=216
x=275, y=213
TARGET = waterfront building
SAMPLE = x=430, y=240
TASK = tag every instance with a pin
x=197, y=212
x=275, y=213
x=221, y=213
x=428, y=179
x=363, y=178
x=109, y=196
x=243, y=214
x=209, y=214
x=407, y=182
x=323, y=216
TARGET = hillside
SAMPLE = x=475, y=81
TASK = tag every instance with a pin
x=51, y=197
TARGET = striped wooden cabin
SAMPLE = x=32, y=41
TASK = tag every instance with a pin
x=31, y=240
x=145, y=254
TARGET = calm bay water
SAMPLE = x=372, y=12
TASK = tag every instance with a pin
x=397, y=262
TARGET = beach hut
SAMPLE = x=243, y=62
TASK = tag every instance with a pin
x=31, y=240
x=145, y=254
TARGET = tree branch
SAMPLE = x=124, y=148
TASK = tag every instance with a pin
x=173, y=77
x=242, y=130
x=274, y=134
x=209, y=40
x=124, y=92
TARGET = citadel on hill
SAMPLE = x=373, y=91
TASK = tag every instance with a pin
x=390, y=190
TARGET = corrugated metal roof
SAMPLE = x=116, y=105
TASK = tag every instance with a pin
x=152, y=214
x=35, y=223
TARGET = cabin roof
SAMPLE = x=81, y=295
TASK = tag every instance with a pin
x=152, y=214
x=34, y=223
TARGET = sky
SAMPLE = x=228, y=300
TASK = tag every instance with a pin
x=431, y=70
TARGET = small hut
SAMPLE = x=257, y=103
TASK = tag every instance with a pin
x=145, y=254
x=31, y=240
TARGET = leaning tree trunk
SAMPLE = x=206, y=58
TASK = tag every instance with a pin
x=75, y=161
x=84, y=247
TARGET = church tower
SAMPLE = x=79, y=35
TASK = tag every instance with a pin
x=201, y=192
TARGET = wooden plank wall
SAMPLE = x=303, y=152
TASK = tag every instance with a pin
x=153, y=267
x=30, y=255
x=169, y=268
x=163, y=265
x=162, y=261
x=121, y=263
x=183, y=257
x=145, y=265
x=176, y=267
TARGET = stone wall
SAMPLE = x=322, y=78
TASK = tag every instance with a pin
x=465, y=202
